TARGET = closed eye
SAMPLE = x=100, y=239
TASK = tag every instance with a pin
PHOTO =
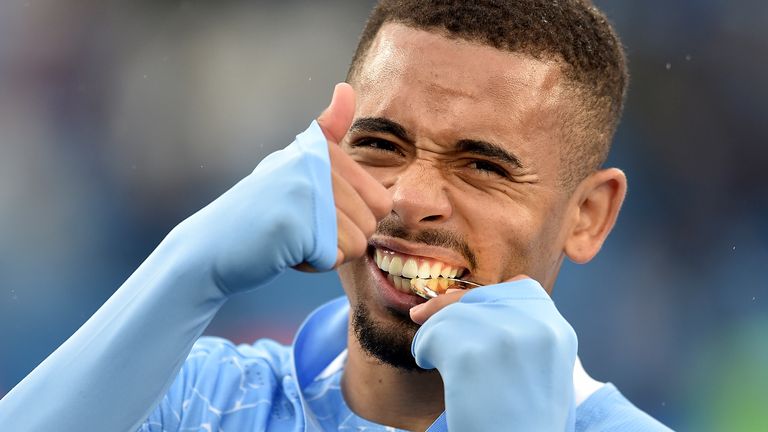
x=376, y=144
x=488, y=168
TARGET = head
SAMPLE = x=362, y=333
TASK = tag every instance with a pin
x=488, y=122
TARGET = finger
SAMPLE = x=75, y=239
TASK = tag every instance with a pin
x=376, y=196
x=421, y=313
x=337, y=118
x=352, y=241
x=351, y=204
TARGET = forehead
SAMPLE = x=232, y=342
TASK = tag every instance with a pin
x=441, y=87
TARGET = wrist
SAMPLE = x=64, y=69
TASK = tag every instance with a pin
x=179, y=265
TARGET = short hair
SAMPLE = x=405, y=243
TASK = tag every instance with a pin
x=573, y=32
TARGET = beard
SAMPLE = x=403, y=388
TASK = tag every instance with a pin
x=389, y=343
x=388, y=339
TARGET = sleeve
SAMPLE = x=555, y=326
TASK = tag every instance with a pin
x=111, y=373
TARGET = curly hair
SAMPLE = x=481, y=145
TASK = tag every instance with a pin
x=572, y=32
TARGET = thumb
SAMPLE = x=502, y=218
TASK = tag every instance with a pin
x=337, y=118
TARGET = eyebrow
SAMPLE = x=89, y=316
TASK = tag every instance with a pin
x=489, y=150
x=381, y=125
x=477, y=147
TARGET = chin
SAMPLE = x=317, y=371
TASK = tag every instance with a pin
x=384, y=330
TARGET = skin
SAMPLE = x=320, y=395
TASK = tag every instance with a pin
x=515, y=220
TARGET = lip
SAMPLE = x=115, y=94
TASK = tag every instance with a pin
x=390, y=296
x=447, y=256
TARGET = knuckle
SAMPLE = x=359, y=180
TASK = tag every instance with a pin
x=355, y=246
x=382, y=206
x=369, y=226
x=358, y=247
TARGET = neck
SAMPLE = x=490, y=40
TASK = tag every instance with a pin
x=390, y=396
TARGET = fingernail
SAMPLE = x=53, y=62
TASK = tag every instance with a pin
x=418, y=307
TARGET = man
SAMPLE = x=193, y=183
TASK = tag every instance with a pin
x=467, y=143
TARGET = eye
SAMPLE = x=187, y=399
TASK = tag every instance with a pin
x=375, y=152
x=376, y=144
x=488, y=168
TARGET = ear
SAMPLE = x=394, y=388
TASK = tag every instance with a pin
x=597, y=203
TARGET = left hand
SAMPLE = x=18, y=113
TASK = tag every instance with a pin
x=505, y=355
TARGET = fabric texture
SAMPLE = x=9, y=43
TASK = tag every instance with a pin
x=496, y=338
x=253, y=388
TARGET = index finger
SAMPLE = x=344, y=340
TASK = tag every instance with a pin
x=375, y=195
x=421, y=313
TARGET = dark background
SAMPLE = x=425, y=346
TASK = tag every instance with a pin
x=119, y=119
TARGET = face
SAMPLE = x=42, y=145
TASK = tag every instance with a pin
x=467, y=140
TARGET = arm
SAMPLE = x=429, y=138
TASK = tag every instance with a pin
x=119, y=363
x=505, y=354
x=116, y=367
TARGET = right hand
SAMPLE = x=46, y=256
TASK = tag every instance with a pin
x=361, y=201
x=281, y=215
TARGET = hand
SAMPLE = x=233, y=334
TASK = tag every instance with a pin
x=421, y=313
x=361, y=201
x=504, y=353
x=308, y=205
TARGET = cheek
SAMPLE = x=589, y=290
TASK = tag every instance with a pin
x=507, y=241
x=355, y=280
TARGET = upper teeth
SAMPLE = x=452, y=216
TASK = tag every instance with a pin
x=411, y=267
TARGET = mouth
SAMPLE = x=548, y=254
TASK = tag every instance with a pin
x=412, y=275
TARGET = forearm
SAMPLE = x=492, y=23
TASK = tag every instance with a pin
x=114, y=369
x=110, y=374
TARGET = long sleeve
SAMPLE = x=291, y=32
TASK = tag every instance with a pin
x=111, y=373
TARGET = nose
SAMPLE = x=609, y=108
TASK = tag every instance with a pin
x=419, y=196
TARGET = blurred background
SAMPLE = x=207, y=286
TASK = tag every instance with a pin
x=119, y=119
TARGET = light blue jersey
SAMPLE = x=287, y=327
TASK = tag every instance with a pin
x=136, y=365
x=270, y=387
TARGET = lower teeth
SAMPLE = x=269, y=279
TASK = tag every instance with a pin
x=423, y=287
x=428, y=288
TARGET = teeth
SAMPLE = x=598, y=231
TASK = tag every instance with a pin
x=417, y=287
x=446, y=271
x=442, y=285
x=427, y=288
x=385, y=260
x=432, y=284
x=410, y=268
x=418, y=284
x=395, y=266
x=434, y=271
x=399, y=283
x=424, y=270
